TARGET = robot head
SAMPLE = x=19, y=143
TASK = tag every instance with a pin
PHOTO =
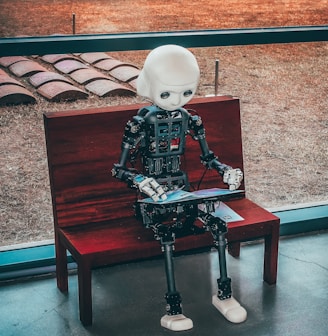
x=169, y=77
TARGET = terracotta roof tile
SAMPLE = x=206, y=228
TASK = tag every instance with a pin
x=5, y=79
x=104, y=88
x=60, y=91
x=41, y=78
x=6, y=61
x=133, y=83
x=94, y=57
x=26, y=68
x=84, y=76
x=125, y=73
x=68, y=66
x=54, y=58
x=15, y=94
x=109, y=64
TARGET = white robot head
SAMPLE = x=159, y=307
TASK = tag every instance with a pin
x=169, y=77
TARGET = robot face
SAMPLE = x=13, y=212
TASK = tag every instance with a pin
x=169, y=77
x=171, y=97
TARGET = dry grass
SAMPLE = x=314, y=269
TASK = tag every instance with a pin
x=282, y=88
x=31, y=17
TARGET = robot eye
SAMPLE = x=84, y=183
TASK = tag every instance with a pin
x=187, y=93
x=165, y=95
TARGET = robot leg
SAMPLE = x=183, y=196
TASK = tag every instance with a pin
x=227, y=305
x=174, y=319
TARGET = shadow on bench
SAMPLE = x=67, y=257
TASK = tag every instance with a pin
x=93, y=214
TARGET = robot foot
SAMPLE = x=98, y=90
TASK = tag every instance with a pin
x=230, y=309
x=176, y=322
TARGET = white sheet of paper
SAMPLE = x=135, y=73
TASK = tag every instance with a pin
x=226, y=213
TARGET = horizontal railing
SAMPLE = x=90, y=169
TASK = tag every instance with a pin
x=40, y=45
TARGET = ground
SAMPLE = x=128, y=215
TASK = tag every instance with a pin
x=282, y=88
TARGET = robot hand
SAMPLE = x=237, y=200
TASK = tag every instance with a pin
x=150, y=187
x=233, y=177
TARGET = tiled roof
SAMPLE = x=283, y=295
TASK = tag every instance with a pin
x=64, y=77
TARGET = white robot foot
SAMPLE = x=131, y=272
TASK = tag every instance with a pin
x=176, y=322
x=230, y=309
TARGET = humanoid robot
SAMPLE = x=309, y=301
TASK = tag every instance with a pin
x=157, y=134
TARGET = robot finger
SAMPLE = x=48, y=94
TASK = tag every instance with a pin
x=146, y=187
x=233, y=187
x=150, y=192
x=158, y=189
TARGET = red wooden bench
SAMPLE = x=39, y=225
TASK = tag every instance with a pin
x=93, y=214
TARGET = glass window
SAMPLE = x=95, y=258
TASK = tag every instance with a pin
x=282, y=90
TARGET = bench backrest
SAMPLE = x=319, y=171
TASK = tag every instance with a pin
x=83, y=145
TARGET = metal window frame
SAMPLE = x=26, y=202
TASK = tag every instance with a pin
x=40, y=45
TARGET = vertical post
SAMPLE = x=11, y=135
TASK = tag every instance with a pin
x=216, y=80
x=73, y=23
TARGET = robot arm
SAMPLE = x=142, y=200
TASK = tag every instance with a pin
x=232, y=177
x=133, y=134
x=131, y=138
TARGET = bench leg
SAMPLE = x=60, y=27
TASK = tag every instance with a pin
x=271, y=256
x=234, y=249
x=85, y=295
x=61, y=266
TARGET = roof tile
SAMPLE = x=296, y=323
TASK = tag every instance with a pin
x=68, y=66
x=94, y=57
x=41, y=78
x=84, y=76
x=14, y=95
x=6, y=61
x=125, y=73
x=5, y=79
x=104, y=88
x=54, y=58
x=26, y=68
x=109, y=64
x=61, y=91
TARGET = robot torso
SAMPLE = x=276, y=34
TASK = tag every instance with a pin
x=163, y=144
